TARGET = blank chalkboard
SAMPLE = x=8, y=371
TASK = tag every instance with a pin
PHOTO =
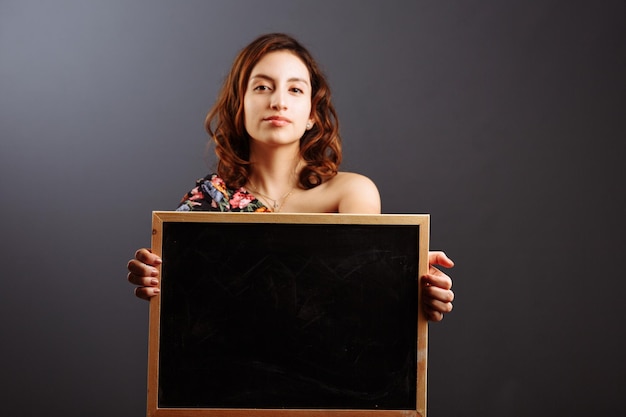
x=263, y=314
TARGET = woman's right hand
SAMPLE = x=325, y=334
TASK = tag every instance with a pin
x=142, y=272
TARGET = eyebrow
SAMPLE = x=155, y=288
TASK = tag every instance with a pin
x=267, y=77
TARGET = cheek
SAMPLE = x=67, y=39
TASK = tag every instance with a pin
x=308, y=113
x=302, y=107
x=247, y=114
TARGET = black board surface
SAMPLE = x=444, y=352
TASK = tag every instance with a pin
x=291, y=316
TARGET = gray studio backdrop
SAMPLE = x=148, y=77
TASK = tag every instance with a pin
x=505, y=120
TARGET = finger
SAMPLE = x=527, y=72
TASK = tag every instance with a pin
x=436, y=293
x=439, y=258
x=436, y=278
x=142, y=281
x=141, y=269
x=147, y=257
x=439, y=306
x=432, y=315
x=437, y=299
x=146, y=293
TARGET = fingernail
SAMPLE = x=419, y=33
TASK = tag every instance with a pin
x=154, y=282
x=159, y=260
x=155, y=272
x=156, y=291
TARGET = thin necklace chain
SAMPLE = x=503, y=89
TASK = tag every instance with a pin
x=276, y=201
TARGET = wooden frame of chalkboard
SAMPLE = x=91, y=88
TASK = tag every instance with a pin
x=276, y=314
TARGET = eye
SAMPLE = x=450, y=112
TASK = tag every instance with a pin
x=297, y=90
x=261, y=88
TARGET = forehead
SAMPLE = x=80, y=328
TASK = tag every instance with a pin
x=281, y=64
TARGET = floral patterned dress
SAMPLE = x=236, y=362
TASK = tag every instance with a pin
x=211, y=194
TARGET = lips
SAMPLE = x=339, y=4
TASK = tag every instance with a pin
x=277, y=120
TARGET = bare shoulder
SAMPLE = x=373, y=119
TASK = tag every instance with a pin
x=351, y=179
x=346, y=192
x=357, y=193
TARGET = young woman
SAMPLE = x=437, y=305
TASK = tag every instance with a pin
x=277, y=140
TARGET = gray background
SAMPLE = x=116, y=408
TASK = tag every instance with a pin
x=503, y=119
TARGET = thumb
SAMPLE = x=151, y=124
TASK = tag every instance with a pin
x=440, y=258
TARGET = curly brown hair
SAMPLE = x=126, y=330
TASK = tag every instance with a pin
x=320, y=147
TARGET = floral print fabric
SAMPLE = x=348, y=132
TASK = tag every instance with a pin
x=211, y=194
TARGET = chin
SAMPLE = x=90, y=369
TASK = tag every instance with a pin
x=278, y=141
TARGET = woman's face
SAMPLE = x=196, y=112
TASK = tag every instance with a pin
x=277, y=102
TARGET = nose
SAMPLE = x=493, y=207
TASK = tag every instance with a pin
x=278, y=101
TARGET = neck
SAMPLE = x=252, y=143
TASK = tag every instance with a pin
x=274, y=171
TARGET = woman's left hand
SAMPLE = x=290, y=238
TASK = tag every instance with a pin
x=437, y=292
